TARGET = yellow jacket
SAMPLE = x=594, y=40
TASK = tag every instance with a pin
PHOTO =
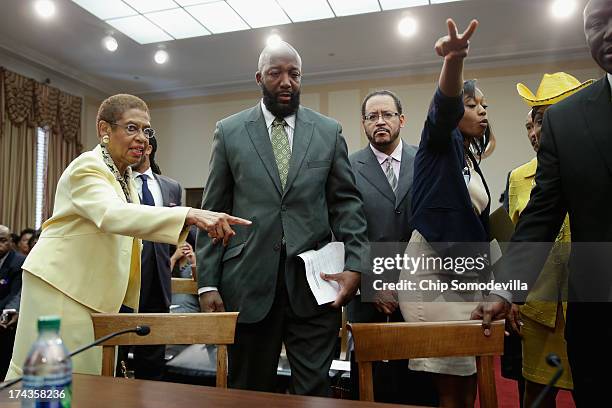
x=553, y=279
x=90, y=248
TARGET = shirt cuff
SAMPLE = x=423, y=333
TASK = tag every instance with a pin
x=206, y=289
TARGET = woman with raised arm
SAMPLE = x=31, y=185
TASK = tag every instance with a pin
x=450, y=205
x=87, y=259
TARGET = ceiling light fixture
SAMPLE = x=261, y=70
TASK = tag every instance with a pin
x=110, y=43
x=45, y=8
x=161, y=57
x=407, y=26
x=274, y=40
x=563, y=8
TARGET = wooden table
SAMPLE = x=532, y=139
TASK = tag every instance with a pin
x=95, y=391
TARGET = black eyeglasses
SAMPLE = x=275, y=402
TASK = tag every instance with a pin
x=373, y=117
x=132, y=129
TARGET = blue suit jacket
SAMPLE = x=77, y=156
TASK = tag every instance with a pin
x=441, y=206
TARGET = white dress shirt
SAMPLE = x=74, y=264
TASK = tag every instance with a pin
x=152, y=184
x=269, y=118
x=396, y=156
x=290, y=129
x=610, y=80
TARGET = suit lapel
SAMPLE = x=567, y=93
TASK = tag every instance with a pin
x=256, y=128
x=371, y=171
x=405, y=176
x=164, y=190
x=301, y=140
x=598, y=113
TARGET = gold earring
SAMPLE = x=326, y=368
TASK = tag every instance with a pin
x=105, y=139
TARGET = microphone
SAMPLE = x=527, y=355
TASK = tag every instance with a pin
x=552, y=360
x=139, y=330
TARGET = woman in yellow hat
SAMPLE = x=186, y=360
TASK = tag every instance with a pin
x=543, y=315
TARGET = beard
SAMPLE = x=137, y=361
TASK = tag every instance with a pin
x=280, y=110
x=381, y=143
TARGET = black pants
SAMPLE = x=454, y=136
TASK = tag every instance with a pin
x=149, y=361
x=310, y=344
x=7, y=340
x=588, y=332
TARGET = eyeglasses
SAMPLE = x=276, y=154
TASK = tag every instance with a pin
x=373, y=117
x=132, y=129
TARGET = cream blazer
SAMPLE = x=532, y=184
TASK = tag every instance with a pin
x=87, y=248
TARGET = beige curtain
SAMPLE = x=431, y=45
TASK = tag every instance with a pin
x=17, y=151
x=64, y=145
x=25, y=106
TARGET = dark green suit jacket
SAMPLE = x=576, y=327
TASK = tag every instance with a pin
x=320, y=199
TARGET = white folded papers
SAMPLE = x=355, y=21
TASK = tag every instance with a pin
x=329, y=260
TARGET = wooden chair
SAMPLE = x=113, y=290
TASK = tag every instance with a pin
x=167, y=328
x=184, y=286
x=399, y=341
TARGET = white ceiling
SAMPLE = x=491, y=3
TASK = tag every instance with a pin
x=344, y=48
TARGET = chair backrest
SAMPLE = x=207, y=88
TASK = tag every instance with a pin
x=399, y=341
x=167, y=328
x=184, y=286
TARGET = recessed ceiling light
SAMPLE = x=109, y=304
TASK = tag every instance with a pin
x=178, y=23
x=442, y=1
x=161, y=57
x=350, y=7
x=274, y=40
x=110, y=43
x=563, y=8
x=397, y=4
x=261, y=13
x=300, y=10
x=45, y=8
x=407, y=26
x=218, y=17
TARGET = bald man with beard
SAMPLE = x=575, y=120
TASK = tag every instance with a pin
x=285, y=168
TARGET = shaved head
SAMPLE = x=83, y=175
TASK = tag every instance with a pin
x=282, y=50
x=279, y=75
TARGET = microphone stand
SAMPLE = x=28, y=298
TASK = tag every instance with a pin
x=139, y=330
x=552, y=360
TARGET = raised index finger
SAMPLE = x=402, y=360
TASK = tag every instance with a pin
x=452, y=29
x=470, y=30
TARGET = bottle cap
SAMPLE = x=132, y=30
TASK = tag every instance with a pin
x=48, y=323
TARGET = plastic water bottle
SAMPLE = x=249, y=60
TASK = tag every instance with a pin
x=47, y=372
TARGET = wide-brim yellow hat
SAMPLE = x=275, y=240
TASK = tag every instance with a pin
x=553, y=88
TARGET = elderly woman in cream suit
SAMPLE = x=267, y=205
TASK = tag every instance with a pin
x=87, y=259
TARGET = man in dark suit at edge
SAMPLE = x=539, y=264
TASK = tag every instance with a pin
x=574, y=176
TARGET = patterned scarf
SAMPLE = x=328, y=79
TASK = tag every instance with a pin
x=122, y=179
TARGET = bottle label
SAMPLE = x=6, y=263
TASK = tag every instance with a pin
x=48, y=391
